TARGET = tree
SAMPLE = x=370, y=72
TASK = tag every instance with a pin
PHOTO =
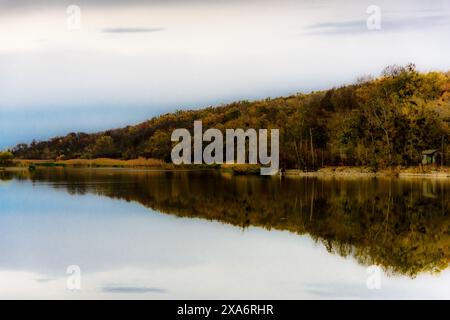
x=104, y=147
x=159, y=146
x=6, y=158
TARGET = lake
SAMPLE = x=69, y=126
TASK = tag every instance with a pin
x=210, y=235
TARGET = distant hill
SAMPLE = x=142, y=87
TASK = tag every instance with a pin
x=377, y=122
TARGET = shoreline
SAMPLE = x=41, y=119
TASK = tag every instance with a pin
x=407, y=172
x=157, y=165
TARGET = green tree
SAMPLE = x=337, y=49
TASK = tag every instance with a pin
x=6, y=158
x=104, y=147
x=159, y=146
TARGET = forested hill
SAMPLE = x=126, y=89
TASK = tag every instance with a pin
x=389, y=120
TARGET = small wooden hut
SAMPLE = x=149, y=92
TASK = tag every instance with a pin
x=432, y=156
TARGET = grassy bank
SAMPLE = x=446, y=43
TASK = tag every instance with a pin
x=96, y=163
x=398, y=171
x=141, y=163
x=237, y=169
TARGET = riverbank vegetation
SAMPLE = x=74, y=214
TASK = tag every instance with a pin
x=6, y=159
x=378, y=123
x=95, y=163
x=140, y=163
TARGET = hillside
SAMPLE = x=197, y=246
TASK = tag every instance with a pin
x=389, y=120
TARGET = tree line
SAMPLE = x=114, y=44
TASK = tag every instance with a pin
x=378, y=122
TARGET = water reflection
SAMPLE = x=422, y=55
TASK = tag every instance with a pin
x=402, y=225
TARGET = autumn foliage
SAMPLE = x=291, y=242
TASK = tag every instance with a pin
x=380, y=122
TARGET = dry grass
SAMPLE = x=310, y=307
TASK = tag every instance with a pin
x=358, y=171
x=99, y=162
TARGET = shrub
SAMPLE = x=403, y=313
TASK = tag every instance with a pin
x=6, y=158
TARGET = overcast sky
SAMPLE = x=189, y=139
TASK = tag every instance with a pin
x=131, y=60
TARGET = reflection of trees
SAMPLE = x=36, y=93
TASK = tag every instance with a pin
x=18, y=175
x=5, y=176
x=392, y=223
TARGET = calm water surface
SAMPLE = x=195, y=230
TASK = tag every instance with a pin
x=164, y=235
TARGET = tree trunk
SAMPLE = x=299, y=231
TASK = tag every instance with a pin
x=312, y=149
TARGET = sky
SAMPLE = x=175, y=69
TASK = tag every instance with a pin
x=90, y=65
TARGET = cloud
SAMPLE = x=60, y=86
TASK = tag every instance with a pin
x=25, y=5
x=353, y=290
x=336, y=290
x=387, y=25
x=44, y=280
x=120, y=289
x=132, y=30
